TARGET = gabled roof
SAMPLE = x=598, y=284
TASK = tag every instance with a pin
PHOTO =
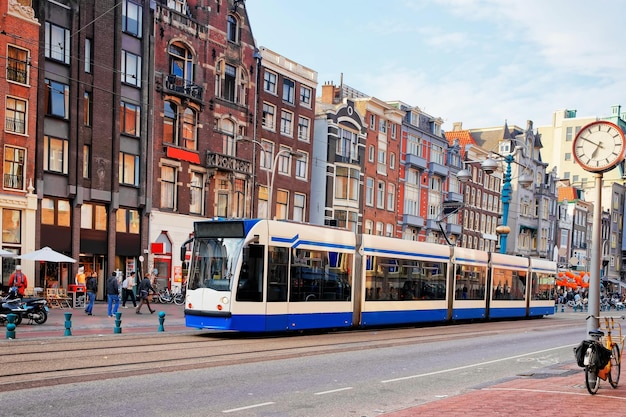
x=463, y=136
x=567, y=193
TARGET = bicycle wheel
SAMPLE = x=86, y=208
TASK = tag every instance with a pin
x=592, y=380
x=616, y=364
x=179, y=299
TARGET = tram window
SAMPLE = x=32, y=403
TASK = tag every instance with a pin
x=250, y=284
x=403, y=279
x=277, y=274
x=542, y=286
x=509, y=285
x=469, y=283
x=320, y=276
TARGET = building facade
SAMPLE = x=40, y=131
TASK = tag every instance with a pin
x=18, y=203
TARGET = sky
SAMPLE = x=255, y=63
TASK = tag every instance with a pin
x=479, y=62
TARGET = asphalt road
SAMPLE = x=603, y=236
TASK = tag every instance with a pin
x=359, y=373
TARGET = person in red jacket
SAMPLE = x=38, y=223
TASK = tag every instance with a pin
x=18, y=280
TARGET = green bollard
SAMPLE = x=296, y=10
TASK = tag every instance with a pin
x=161, y=320
x=118, y=323
x=68, y=324
x=11, y=326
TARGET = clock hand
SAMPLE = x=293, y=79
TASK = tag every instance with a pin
x=595, y=151
x=593, y=143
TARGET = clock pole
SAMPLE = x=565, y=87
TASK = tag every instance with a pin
x=596, y=253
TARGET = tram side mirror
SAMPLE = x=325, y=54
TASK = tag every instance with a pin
x=183, y=253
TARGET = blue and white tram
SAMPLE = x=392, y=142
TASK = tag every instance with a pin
x=267, y=276
x=258, y=275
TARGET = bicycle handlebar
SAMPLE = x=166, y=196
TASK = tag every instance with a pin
x=606, y=317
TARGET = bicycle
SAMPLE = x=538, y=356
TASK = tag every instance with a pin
x=602, y=354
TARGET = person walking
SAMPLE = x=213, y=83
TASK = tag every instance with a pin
x=144, y=288
x=127, y=290
x=18, y=280
x=92, y=288
x=113, y=294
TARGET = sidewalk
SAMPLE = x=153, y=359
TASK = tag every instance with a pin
x=99, y=323
x=558, y=390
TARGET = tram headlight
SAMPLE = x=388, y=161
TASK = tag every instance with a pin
x=224, y=300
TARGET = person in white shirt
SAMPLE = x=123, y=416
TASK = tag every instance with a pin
x=128, y=290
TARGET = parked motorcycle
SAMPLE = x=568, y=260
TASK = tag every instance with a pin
x=8, y=306
x=33, y=309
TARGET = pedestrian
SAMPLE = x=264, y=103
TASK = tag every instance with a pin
x=79, y=279
x=144, y=288
x=127, y=290
x=18, y=280
x=113, y=295
x=92, y=289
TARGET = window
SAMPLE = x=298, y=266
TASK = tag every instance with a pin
x=568, y=156
x=88, y=55
x=299, y=207
x=57, y=99
x=369, y=192
x=288, y=90
x=130, y=118
x=15, y=119
x=382, y=126
x=380, y=195
x=302, y=165
x=170, y=122
x=129, y=169
x=347, y=219
x=393, y=130
x=269, y=116
x=569, y=134
x=11, y=226
x=181, y=65
x=347, y=184
x=17, y=64
x=391, y=195
x=55, y=212
x=230, y=79
x=222, y=205
x=286, y=123
x=282, y=204
x=232, y=29
x=227, y=128
x=372, y=121
x=346, y=145
x=437, y=154
x=168, y=187
x=370, y=154
x=284, y=161
x=369, y=227
x=389, y=230
x=262, y=202
x=55, y=155
x=239, y=197
x=305, y=96
x=93, y=216
x=269, y=82
x=57, y=43
x=303, y=128
x=13, y=175
x=196, y=186
x=127, y=221
x=379, y=228
x=131, y=69
x=392, y=160
x=87, y=108
x=86, y=161
x=189, y=129
x=131, y=18
x=267, y=153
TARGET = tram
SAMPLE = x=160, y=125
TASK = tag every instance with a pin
x=257, y=275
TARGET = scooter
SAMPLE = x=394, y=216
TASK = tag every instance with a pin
x=11, y=306
x=33, y=309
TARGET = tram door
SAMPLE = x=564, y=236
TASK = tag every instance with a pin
x=276, y=295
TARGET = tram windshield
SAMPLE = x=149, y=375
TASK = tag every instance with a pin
x=213, y=262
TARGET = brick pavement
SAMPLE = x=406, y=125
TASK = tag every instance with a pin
x=99, y=323
x=553, y=391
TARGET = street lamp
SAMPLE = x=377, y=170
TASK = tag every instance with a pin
x=489, y=166
x=270, y=180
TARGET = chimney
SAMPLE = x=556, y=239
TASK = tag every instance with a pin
x=457, y=126
x=328, y=92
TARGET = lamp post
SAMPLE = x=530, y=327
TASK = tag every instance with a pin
x=269, y=180
x=489, y=166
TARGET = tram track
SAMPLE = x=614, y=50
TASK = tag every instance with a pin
x=27, y=364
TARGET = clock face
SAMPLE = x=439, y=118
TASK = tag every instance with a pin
x=599, y=146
